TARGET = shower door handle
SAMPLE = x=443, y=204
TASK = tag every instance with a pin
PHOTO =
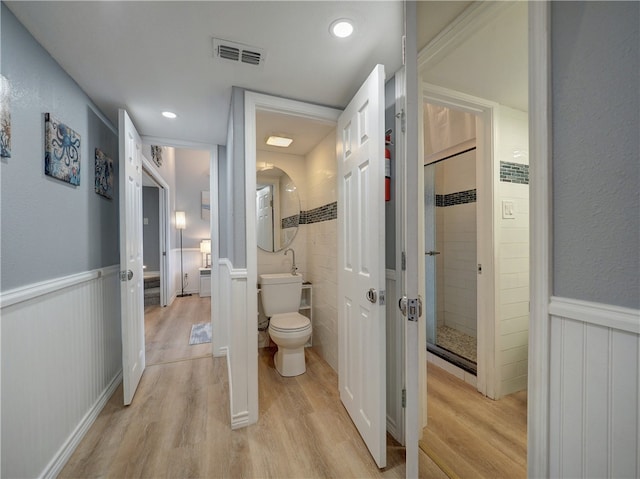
x=432, y=253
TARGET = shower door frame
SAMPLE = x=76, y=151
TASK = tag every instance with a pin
x=431, y=275
x=487, y=173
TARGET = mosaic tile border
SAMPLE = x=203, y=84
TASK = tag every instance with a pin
x=322, y=213
x=291, y=221
x=459, y=198
x=514, y=173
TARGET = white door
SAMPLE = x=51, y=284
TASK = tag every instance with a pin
x=413, y=246
x=131, y=280
x=361, y=268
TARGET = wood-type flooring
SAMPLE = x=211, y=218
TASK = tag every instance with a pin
x=471, y=436
x=179, y=422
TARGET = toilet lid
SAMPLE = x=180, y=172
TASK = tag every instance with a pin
x=289, y=321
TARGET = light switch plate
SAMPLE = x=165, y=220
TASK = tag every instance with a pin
x=508, y=209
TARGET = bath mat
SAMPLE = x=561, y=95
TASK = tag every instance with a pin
x=200, y=334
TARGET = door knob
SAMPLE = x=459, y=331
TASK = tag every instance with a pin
x=129, y=275
x=372, y=296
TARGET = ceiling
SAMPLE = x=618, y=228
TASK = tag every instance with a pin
x=306, y=133
x=492, y=63
x=149, y=57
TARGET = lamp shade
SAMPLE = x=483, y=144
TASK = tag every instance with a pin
x=205, y=246
x=181, y=220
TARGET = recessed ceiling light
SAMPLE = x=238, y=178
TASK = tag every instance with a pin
x=169, y=114
x=341, y=28
x=280, y=141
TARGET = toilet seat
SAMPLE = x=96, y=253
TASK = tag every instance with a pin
x=289, y=322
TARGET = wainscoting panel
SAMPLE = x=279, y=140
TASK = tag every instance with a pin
x=220, y=335
x=241, y=348
x=61, y=358
x=595, y=390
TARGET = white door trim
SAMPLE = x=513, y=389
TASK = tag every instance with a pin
x=487, y=174
x=252, y=103
x=165, y=223
x=540, y=238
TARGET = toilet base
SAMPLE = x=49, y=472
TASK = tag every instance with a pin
x=290, y=362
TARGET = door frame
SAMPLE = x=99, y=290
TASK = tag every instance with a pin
x=487, y=172
x=254, y=102
x=540, y=238
x=217, y=341
x=163, y=216
x=541, y=213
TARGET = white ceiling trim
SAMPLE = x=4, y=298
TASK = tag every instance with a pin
x=472, y=19
x=192, y=145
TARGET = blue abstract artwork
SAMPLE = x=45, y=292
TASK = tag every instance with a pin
x=104, y=174
x=61, y=151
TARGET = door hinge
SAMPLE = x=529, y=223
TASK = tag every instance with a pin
x=414, y=309
x=381, y=298
x=404, y=398
x=403, y=261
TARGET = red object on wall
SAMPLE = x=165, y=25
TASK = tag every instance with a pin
x=387, y=172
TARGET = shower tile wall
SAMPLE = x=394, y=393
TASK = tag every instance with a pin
x=456, y=239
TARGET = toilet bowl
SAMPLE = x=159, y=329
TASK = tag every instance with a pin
x=290, y=330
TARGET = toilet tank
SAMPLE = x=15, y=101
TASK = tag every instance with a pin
x=280, y=293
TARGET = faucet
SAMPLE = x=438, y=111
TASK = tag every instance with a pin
x=294, y=268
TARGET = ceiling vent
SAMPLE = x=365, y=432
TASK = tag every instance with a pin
x=238, y=52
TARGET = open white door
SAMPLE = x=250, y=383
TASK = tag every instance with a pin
x=361, y=268
x=413, y=246
x=131, y=275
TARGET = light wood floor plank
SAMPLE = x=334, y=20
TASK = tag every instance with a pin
x=178, y=425
x=474, y=436
x=167, y=330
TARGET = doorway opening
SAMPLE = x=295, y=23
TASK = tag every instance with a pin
x=176, y=328
x=451, y=236
x=478, y=65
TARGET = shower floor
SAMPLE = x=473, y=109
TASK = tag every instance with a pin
x=457, y=342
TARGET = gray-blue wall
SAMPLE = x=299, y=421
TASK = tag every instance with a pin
x=596, y=144
x=237, y=167
x=223, y=203
x=50, y=228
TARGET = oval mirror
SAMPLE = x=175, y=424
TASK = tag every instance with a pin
x=277, y=208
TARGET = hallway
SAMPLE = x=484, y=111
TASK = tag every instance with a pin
x=179, y=426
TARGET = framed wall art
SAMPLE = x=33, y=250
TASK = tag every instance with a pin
x=61, y=151
x=156, y=154
x=104, y=174
x=5, y=119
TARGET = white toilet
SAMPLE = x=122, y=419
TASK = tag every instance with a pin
x=289, y=329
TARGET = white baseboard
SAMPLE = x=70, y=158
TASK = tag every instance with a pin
x=62, y=456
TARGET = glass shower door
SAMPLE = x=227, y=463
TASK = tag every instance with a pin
x=450, y=286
